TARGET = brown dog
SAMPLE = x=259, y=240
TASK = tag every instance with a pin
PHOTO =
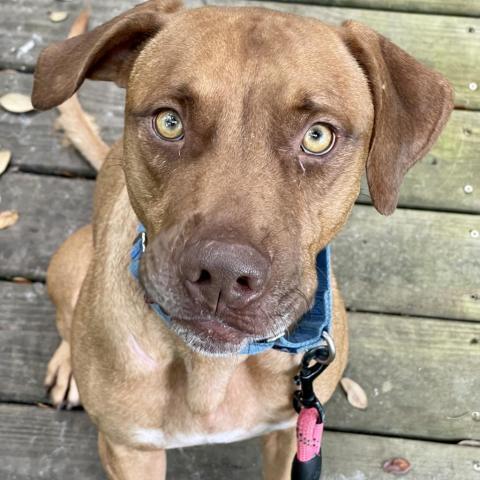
x=246, y=134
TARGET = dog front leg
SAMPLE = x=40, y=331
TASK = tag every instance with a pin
x=278, y=450
x=65, y=276
x=125, y=463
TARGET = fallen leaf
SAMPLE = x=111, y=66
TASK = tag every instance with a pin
x=8, y=218
x=5, y=156
x=16, y=103
x=356, y=396
x=397, y=466
x=58, y=16
x=21, y=280
x=470, y=443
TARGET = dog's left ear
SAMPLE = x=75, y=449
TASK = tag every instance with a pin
x=106, y=53
x=411, y=106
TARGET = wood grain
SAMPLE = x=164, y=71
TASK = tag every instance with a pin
x=448, y=7
x=26, y=28
x=40, y=443
x=414, y=262
x=420, y=375
x=50, y=209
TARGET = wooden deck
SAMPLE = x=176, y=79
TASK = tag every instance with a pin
x=411, y=281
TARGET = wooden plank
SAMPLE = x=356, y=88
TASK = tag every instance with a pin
x=26, y=28
x=442, y=179
x=404, y=364
x=50, y=209
x=438, y=182
x=414, y=262
x=27, y=341
x=448, y=44
x=448, y=7
x=35, y=144
x=399, y=264
x=420, y=376
x=39, y=443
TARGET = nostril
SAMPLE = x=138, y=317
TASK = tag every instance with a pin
x=244, y=282
x=204, y=277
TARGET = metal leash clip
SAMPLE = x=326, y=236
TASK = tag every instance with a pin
x=321, y=356
x=307, y=464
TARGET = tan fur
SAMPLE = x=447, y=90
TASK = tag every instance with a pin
x=238, y=168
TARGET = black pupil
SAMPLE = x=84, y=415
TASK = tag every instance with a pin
x=316, y=134
x=171, y=121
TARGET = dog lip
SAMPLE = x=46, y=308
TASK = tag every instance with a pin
x=219, y=331
x=273, y=337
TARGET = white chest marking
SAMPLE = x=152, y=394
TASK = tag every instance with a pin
x=157, y=438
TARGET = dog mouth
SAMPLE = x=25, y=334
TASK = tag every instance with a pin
x=228, y=330
x=212, y=336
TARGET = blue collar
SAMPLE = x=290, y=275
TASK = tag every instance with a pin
x=311, y=328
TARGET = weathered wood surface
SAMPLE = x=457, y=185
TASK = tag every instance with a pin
x=437, y=182
x=450, y=7
x=28, y=338
x=26, y=28
x=50, y=209
x=36, y=145
x=40, y=443
x=441, y=180
x=415, y=262
x=449, y=44
x=420, y=375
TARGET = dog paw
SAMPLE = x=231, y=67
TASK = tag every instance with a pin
x=59, y=380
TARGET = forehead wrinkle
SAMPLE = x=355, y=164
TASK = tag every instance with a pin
x=326, y=106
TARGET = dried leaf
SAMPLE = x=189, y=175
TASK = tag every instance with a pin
x=16, y=103
x=470, y=443
x=5, y=156
x=356, y=396
x=8, y=218
x=58, y=16
x=21, y=280
x=397, y=466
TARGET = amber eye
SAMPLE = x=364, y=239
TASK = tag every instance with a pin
x=318, y=140
x=168, y=125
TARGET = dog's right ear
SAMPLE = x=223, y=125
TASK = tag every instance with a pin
x=106, y=53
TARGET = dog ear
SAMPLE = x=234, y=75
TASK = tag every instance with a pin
x=106, y=53
x=411, y=106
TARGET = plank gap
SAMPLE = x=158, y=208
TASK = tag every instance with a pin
x=352, y=5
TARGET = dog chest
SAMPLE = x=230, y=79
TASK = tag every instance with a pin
x=151, y=437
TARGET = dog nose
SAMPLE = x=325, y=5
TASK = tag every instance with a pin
x=221, y=274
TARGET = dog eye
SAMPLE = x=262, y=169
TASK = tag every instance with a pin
x=168, y=125
x=318, y=140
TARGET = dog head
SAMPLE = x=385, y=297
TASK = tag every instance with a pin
x=246, y=134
